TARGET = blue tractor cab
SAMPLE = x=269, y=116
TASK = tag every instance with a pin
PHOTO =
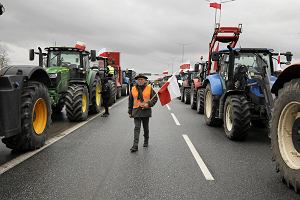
x=238, y=93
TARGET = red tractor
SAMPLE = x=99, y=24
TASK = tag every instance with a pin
x=223, y=35
x=113, y=59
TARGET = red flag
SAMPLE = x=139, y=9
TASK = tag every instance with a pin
x=215, y=5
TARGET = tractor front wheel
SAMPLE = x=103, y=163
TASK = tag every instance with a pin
x=35, y=118
x=77, y=103
x=237, y=117
x=200, y=101
x=187, y=95
x=193, y=98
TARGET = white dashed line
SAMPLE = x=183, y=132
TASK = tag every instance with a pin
x=198, y=159
x=175, y=119
x=14, y=162
x=169, y=108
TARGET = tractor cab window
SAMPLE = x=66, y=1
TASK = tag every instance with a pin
x=64, y=59
x=223, y=65
x=255, y=62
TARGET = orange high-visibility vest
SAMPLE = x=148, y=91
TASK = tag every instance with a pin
x=146, y=95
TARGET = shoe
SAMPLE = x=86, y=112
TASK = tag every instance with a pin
x=134, y=148
x=104, y=115
x=146, y=141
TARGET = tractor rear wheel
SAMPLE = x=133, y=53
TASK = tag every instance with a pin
x=187, y=95
x=77, y=103
x=96, y=96
x=124, y=89
x=211, y=109
x=119, y=92
x=237, y=117
x=200, y=101
x=193, y=98
x=285, y=133
x=35, y=118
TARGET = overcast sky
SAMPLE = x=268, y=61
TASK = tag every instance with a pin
x=146, y=32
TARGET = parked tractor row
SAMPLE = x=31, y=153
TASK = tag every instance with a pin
x=238, y=92
x=66, y=78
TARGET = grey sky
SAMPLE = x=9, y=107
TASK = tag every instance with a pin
x=146, y=32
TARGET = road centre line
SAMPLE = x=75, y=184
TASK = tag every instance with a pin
x=175, y=119
x=14, y=162
x=198, y=159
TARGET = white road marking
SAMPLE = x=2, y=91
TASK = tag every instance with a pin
x=14, y=162
x=198, y=159
x=169, y=108
x=175, y=119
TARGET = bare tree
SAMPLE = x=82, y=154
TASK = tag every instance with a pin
x=3, y=56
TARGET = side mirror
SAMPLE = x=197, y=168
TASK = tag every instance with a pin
x=93, y=56
x=289, y=56
x=215, y=56
x=31, y=54
x=196, y=68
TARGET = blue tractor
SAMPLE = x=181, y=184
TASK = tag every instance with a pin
x=238, y=94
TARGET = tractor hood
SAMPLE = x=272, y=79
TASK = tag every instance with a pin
x=55, y=70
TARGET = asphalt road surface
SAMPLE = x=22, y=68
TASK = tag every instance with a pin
x=185, y=160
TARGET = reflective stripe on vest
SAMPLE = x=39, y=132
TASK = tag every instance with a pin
x=146, y=95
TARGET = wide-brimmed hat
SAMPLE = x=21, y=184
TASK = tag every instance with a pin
x=141, y=76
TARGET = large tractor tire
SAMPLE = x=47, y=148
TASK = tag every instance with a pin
x=35, y=118
x=96, y=98
x=237, y=117
x=187, y=96
x=193, y=98
x=119, y=92
x=285, y=133
x=125, y=89
x=182, y=95
x=77, y=103
x=211, y=109
x=200, y=101
x=113, y=93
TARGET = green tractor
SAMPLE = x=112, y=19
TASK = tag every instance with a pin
x=74, y=83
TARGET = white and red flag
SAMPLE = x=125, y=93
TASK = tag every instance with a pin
x=169, y=91
x=165, y=72
x=278, y=66
x=185, y=65
x=215, y=5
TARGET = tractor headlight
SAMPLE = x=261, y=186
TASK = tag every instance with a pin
x=53, y=75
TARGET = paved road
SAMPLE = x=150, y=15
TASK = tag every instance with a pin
x=94, y=162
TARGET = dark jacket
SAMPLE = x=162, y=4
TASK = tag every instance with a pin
x=139, y=112
x=105, y=90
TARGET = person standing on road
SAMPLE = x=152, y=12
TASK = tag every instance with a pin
x=141, y=99
x=105, y=96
